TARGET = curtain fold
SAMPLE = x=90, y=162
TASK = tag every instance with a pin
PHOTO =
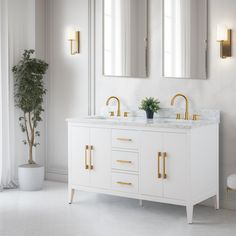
x=7, y=162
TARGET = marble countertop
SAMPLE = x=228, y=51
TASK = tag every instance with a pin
x=165, y=119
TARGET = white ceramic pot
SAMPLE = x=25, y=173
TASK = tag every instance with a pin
x=31, y=177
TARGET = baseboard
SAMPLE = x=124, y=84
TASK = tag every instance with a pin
x=58, y=177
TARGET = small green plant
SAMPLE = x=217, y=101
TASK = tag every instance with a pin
x=29, y=92
x=150, y=104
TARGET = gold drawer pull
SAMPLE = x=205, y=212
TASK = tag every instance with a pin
x=124, y=139
x=164, y=165
x=124, y=162
x=158, y=165
x=90, y=157
x=124, y=183
x=85, y=157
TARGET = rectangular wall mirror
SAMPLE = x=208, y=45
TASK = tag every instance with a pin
x=184, y=39
x=125, y=38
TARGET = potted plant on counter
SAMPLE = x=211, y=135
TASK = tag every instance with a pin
x=29, y=92
x=151, y=106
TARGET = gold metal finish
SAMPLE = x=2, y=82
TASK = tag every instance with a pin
x=196, y=117
x=226, y=46
x=85, y=157
x=118, y=103
x=186, y=117
x=124, y=183
x=90, y=157
x=112, y=113
x=124, y=162
x=125, y=139
x=126, y=114
x=158, y=165
x=164, y=165
x=178, y=116
x=75, y=44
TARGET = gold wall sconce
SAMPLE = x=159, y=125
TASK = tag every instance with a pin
x=224, y=36
x=75, y=43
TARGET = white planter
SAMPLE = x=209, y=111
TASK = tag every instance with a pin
x=31, y=177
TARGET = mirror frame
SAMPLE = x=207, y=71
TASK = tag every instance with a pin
x=206, y=48
x=146, y=53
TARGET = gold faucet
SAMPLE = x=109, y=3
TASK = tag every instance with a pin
x=186, y=103
x=118, y=102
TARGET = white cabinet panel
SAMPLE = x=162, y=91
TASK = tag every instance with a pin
x=79, y=138
x=150, y=184
x=100, y=140
x=175, y=145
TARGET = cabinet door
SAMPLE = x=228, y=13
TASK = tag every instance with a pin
x=150, y=183
x=100, y=140
x=175, y=145
x=79, y=138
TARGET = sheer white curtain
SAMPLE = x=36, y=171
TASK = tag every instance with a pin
x=7, y=165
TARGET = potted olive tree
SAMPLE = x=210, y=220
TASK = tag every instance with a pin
x=29, y=92
x=150, y=106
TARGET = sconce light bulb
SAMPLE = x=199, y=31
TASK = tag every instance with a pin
x=222, y=32
x=72, y=36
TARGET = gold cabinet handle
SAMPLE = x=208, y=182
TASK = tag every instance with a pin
x=124, y=162
x=85, y=157
x=124, y=139
x=124, y=183
x=158, y=165
x=164, y=165
x=90, y=157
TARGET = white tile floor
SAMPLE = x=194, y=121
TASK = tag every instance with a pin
x=47, y=213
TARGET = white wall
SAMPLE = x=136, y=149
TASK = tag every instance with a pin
x=68, y=78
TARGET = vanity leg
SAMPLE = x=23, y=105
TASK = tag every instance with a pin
x=217, y=202
x=71, y=195
x=141, y=203
x=189, y=209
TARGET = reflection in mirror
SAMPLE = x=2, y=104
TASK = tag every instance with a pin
x=125, y=38
x=185, y=38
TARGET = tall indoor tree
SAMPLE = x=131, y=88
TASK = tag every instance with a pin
x=29, y=92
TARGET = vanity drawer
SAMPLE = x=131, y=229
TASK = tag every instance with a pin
x=125, y=139
x=122, y=160
x=125, y=182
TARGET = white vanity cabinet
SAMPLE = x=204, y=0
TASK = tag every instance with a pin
x=164, y=165
x=170, y=164
x=89, y=157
